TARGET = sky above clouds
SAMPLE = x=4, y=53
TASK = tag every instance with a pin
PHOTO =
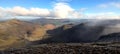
x=60, y=9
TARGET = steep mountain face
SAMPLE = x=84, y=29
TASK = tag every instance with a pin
x=19, y=33
x=83, y=32
x=74, y=33
x=87, y=33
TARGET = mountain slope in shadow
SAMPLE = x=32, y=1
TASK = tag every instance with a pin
x=71, y=33
x=114, y=37
x=83, y=32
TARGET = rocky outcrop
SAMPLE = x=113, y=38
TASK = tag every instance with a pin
x=65, y=48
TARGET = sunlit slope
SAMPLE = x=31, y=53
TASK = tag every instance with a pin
x=19, y=33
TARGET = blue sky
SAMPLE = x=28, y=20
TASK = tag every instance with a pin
x=26, y=3
x=47, y=3
x=54, y=8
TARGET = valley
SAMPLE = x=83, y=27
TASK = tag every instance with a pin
x=17, y=36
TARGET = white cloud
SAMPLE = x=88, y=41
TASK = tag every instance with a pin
x=103, y=6
x=39, y=12
x=62, y=10
x=115, y=4
x=104, y=15
x=63, y=0
x=76, y=15
x=18, y=10
x=28, y=12
x=107, y=15
x=1, y=12
x=110, y=4
x=21, y=11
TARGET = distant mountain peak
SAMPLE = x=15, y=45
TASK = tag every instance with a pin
x=14, y=21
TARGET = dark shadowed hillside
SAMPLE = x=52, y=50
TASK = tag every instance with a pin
x=75, y=33
x=83, y=32
x=114, y=37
